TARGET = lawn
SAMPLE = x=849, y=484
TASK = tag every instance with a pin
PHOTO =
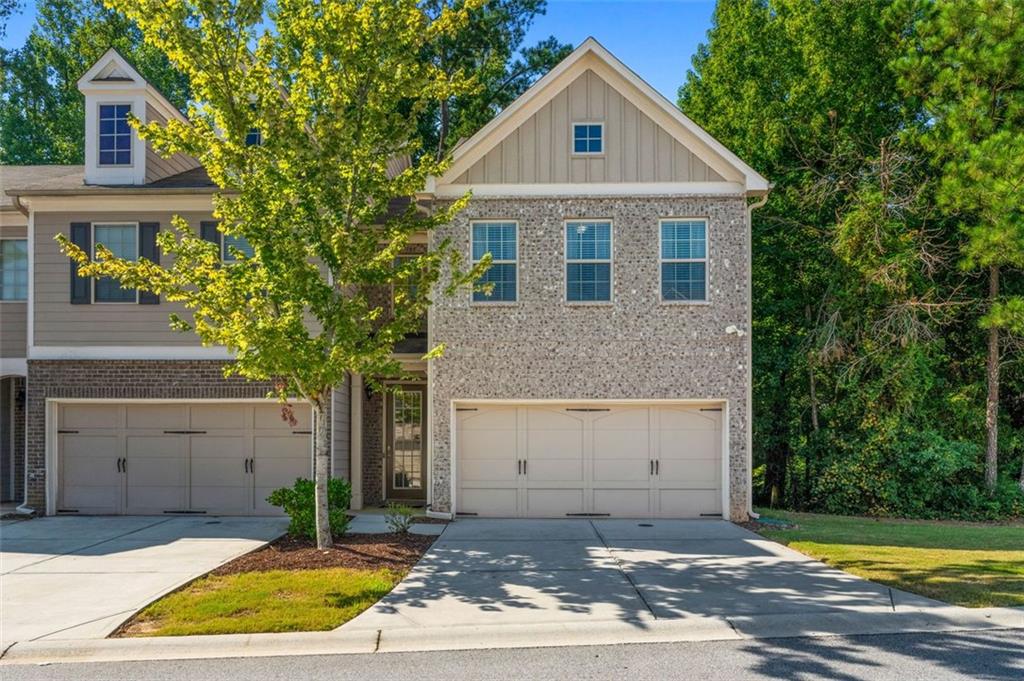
x=289, y=585
x=969, y=564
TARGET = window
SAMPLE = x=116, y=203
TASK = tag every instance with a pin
x=684, y=256
x=588, y=261
x=498, y=239
x=122, y=241
x=13, y=269
x=115, y=135
x=253, y=138
x=409, y=288
x=587, y=138
x=239, y=243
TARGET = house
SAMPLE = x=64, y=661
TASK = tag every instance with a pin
x=606, y=373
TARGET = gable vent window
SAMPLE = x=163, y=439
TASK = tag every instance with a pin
x=588, y=262
x=115, y=135
x=684, y=260
x=588, y=138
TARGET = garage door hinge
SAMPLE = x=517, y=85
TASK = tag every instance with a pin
x=466, y=513
x=580, y=409
x=709, y=409
x=465, y=409
x=67, y=510
x=710, y=515
x=184, y=432
x=66, y=432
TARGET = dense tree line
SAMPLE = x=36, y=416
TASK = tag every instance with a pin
x=888, y=307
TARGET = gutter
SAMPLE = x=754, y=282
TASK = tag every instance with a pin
x=751, y=207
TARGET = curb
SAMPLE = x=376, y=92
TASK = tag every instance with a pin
x=610, y=632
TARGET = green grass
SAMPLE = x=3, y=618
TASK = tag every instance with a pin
x=969, y=564
x=255, y=602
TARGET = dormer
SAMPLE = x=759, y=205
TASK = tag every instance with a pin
x=114, y=153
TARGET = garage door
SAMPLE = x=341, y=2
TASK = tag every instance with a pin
x=137, y=458
x=565, y=460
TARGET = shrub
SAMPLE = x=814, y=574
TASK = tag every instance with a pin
x=298, y=502
x=398, y=517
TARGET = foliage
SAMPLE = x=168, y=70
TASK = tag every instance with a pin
x=265, y=602
x=966, y=564
x=298, y=502
x=491, y=48
x=41, y=110
x=336, y=90
x=399, y=517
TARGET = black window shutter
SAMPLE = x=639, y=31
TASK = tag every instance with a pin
x=208, y=230
x=81, y=287
x=149, y=250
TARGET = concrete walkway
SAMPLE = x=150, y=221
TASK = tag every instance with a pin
x=81, y=577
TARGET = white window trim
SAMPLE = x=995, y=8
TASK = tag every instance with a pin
x=705, y=260
x=28, y=269
x=131, y=135
x=566, y=261
x=515, y=262
x=572, y=138
x=92, y=246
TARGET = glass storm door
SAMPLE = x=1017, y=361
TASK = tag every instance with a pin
x=407, y=450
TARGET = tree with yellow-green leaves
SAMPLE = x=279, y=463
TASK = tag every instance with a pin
x=334, y=90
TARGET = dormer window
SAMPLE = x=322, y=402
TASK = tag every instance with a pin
x=253, y=138
x=115, y=135
x=588, y=138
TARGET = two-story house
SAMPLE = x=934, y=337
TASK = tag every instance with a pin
x=606, y=373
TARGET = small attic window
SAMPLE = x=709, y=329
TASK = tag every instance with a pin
x=115, y=135
x=588, y=138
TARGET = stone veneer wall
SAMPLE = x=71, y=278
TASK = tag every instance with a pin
x=635, y=347
x=118, y=380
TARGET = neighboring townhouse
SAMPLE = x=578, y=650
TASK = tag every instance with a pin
x=606, y=373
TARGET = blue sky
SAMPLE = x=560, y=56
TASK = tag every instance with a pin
x=656, y=38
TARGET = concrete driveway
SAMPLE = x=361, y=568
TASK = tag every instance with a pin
x=532, y=572
x=81, y=577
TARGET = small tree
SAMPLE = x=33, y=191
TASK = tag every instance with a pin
x=334, y=89
x=965, y=61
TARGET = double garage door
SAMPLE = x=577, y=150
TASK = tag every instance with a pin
x=564, y=460
x=139, y=458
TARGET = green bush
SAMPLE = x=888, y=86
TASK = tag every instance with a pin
x=399, y=517
x=298, y=502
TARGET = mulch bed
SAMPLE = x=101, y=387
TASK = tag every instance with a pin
x=357, y=551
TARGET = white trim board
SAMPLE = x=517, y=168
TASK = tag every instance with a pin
x=593, y=189
x=127, y=352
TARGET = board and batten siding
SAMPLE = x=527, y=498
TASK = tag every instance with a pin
x=59, y=323
x=636, y=148
x=158, y=167
x=13, y=313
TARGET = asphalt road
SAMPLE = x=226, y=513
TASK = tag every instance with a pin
x=904, y=657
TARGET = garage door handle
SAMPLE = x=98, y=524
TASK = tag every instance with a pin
x=524, y=466
x=652, y=466
x=245, y=462
x=657, y=467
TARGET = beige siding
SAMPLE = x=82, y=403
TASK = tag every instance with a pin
x=13, y=314
x=158, y=167
x=58, y=322
x=636, y=149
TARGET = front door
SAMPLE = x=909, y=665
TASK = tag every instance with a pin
x=406, y=444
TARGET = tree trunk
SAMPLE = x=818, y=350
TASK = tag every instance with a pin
x=321, y=473
x=992, y=400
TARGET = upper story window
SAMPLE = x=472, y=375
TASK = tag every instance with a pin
x=13, y=269
x=115, y=135
x=588, y=138
x=253, y=138
x=240, y=245
x=500, y=240
x=123, y=241
x=684, y=260
x=588, y=261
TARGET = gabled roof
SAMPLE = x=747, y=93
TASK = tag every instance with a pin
x=592, y=55
x=114, y=71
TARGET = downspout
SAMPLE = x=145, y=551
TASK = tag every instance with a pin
x=751, y=207
x=24, y=508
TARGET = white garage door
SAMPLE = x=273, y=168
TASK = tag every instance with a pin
x=144, y=458
x=563, y=460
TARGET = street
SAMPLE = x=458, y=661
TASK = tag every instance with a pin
x=906, y=657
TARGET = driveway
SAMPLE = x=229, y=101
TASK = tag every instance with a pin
x=81, y=577
x=529, y=572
